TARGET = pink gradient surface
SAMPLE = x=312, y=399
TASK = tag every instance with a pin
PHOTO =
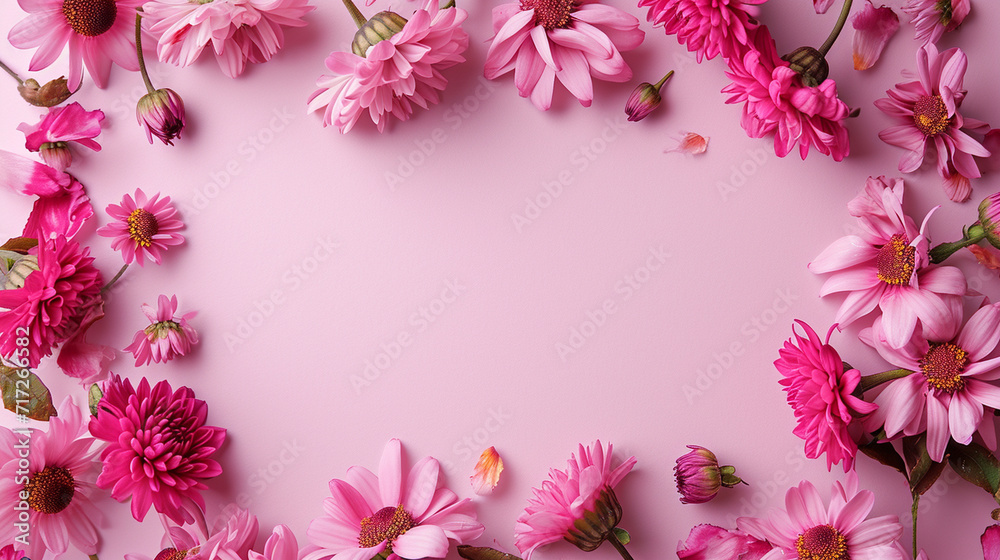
x=488, y=274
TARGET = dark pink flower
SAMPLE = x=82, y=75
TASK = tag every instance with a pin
x=699, y=476
x=933, y=17
x=62, y=206
x=166, y=336
x=143, y=227
x=708, y=27
x=61, y=125
x=708, y=542
x=9, y=553
x=161, y=114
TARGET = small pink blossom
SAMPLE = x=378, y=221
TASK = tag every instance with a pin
x=933, y=17
x=61, y=125
x=143, y=228
x=708, y=542
x=709, y=28
x=873, y=27
x=167, y=335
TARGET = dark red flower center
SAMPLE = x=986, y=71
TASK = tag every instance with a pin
x=384, y=525
x=50, y=490
x=90, y=17
x=171, y=554
x=895, y=261
x=822, y=542
x=943, y=365
x=930, y=115
x=944, y=8
x=550, y=14
x=142, y=226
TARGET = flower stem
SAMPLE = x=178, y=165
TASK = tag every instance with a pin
x=359, y=18
x=619, y=546
x=844, y=12
x=658, y=85
x=108, y=286
x=869, y=382
x=970, y=236
x=913, y=512
x=11, y=72
x=138, y=52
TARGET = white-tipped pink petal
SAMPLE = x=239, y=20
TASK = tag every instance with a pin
x=873, y=27
x=486, y=475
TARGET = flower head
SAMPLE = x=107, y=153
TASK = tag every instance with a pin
x=394, y=514
x=166, y=336
x=989, y=218
x=143, y=227
x=699, y=476
x=161, y=114
x=577, y=504
x=58, y=127
x=644, y=99
x=572, y=40
x=873, y=27
x=708, y=27
x=708, y=542
x=159, y=449
x=487, y=472
x=933, y=17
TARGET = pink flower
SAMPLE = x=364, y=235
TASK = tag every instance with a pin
x=708, y=27
x=166, y=336
x=819, y=391
x=991, y=542
x=61, y=125
x=487, y=472
x=144, y=227
x=708, y=542
x=949, y=382
x=159, y=449
x=933, y=17
x=927, y=113
x=281, y=545
x=886, y=266
x=161, y=114
x=808, y=529
x=873, y=27
x=394, y=74
x=59, y=485
x=573, y=496
x=98, y=32
x=541, y=40
x=699, y=476
x=9, y=553
x=229, y=538
x=62, y=205
x=776, y=101
x=394, y=514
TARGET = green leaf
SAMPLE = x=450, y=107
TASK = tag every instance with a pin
x=19, y=245
x=884, y=453
x=483, y=553
x=25, y=395
x=976, y=464
x=923, y=472
x=622, y=535
x=94, y=398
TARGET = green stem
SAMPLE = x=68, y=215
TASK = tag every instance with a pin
x=844, y=12
x=970, y=236
x=913, y=512
x=108, y=286
x=869, y=382
x=660, y=83
x=619, y=546
x=12, y=73
x=359, y=18
x=138, y=52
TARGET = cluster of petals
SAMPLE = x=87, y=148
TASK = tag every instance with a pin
x=61, y=206
x=71, y=123
x=933, y=17
x=167, y=335
x=708, y=27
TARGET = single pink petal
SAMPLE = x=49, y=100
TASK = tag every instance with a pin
x=873, y=27
x=845, y=252
x=487, y=472
x=421, y=485
x=822, y=6
x=981, y=333
x=390, y=474
x=422, y=541
x=937, y=428
x=991, y=542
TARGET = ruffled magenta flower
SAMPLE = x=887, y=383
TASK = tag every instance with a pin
x=98, y=32
x=776, y=101
x=886, y=266
x=933, y=17
x=819, y=391
x=927, y=110
x=808, y=529
x=708, y=542
x=873, y=27
x=167, y=335
x=572, y=40
x=395, y=514
x=991, y=542
x=949, y=387
x=9, y=553
x=143, y=227
x=394, y=74
x=161, y=114
x=699, y=476
x=61, y=125
x=59, y=484
x=578, y=504
x=708, y=27
x=159, y=449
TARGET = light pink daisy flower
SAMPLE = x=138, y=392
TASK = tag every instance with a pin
x=927, y=110
x=776, y=102
x=933, y=17
x=61, y=125
x=394, y=74
x=708, y=27
x=947, y=391
x=808, y=529
x=167, y=335
x=819, y=391
x=886, y=266
x=98, y=32
x=708, y=542
x=572, y=40
x=144, y=227
x=395, y=514
x=569, y=502
x=59, y=482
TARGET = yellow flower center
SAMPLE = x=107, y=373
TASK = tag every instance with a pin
x=90, y=18
x=930, y=115
x=943, y=365
x=142, y=226
x=384, y=525
x=550, y=14
x=50, y=490
x=895, y=261
x=822, y=542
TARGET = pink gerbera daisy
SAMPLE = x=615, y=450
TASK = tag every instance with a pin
x=98, y=32
x=933, y=17
x=144, y=227
x=61, y=125
x=578, y=504
x=949, y=382
x=393, y=515
x=572, y=40
x=927, y=110
x=886, y=266
x=166, y=336
x=708, y=27
x=58, y=482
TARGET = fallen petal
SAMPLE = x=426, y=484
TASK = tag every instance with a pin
x=873, y=27
x=692, y=143
x=487, y=472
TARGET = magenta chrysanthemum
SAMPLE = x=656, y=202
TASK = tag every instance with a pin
x=144, y=227
x=708, y=27
x=572, y=40
x=166, y=336
x=60, y=126
x=159, y=449
x=395, y=514
x=933, y=17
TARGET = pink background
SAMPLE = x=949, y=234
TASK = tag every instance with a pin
x=306, y=261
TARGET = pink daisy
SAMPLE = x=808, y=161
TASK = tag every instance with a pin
x=159, y=449
x=927, y=110
x=571, y=501
x=98, y=32
x=144, y=227
x=933, y=17
x=776, y=101
x=394, y=74
x=947, y=391
x=572, y=40
x=59, y=482
x=229, y=538
x=819, y=391
x=708, y=27
x=393, y=515
x=886, y=266
x=166, y=336
x=58, y=127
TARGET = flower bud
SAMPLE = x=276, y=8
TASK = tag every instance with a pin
x=49, y=95
x=161, y=113
x=809, y=64
x=56, y=155
x=699, y=476
x=380, y=27
x=644, y=99
x=989, y=217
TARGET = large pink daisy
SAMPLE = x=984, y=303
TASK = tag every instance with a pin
x=143, y=227
x=98, y=32
x=708, y=27
x=572, y=40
